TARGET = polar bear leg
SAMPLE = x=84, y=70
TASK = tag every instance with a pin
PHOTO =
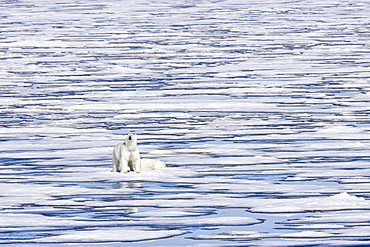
x=115, y=164
x=136, y=165
x=116, y=156
x=123, y=165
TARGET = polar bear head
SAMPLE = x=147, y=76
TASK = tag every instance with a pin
x=131, y=141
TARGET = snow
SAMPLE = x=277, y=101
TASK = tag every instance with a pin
x=259, y=110
x=342, y=201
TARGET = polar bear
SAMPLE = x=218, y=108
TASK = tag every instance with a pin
x=151, y=164
x=126, y=156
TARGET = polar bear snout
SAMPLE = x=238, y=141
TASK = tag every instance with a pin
x=130, y=138
x=131, y=142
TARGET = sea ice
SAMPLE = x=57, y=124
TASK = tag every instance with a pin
x=260, y=111
x=111, y=235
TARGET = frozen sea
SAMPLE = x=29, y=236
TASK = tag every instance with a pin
x=260, y=109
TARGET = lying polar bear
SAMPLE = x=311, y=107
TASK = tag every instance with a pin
x=150, y=164
x=126, y=157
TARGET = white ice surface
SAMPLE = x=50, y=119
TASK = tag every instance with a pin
x=260, y=110
x=111, y=235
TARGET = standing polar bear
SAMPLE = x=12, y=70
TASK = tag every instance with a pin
x=126, y=156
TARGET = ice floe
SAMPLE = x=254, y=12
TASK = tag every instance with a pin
x=260, y=111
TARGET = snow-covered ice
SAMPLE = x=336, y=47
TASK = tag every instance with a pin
x=260, y=110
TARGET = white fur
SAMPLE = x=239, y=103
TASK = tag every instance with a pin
x=126, y=156
x=150, y=164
